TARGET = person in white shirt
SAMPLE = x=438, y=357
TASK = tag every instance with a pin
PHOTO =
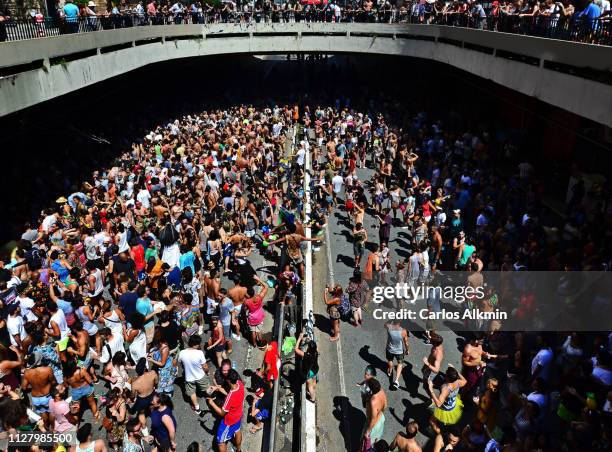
x=196, y=370
x=541, y=364
x=26, y=304
x=144, y=197
x=49, y=221
x=58, y=327
x=113, y=343
x=539, y=396
x=482, y=220
x=14, y=326
x=337, y=182
x=301, y=156
x=277, y=128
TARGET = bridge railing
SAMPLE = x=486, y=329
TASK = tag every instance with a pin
x=592, y=31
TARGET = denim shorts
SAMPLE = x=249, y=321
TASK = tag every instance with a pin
x=82, y=392
x=41, y=404
x=263, y=413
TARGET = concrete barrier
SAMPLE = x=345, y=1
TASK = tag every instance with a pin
x=534, y=66
x=308, y=414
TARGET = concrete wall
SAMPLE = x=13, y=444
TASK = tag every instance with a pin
x=443, y=44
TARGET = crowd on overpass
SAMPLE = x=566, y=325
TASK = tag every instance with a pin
x=112, y=289
x=581, y=20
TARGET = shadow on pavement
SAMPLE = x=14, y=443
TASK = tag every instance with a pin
x=373, y=360
x=351, y=419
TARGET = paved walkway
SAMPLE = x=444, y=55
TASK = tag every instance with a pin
x=340, y=416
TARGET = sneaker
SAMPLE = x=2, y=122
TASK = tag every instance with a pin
x=396, y=384
x=201, y=330
x=236, y=337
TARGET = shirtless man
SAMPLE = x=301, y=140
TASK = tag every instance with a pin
x=234, y=242
x=360, y=237
x=159, y=210
x=331, y=149
x=359, y=212
x=405, y=442
x=436, y=245
x=473, y=364
x=143, y=387
x=40, y=379
x=176, y=210
x=238, y=294
x=212, y=285
x=375, y=419
x=81, y=386
x=433, y=362
x=294, y=251
x=80, y=348
x=475, y=279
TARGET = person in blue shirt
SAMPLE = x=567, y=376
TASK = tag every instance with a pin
x=145, y=307
x=587, y=17
x=173, y=276
x=187, y=258
x=60, y=266
x=71, y=13
x=127, y=301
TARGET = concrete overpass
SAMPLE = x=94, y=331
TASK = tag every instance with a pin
x=561, y=73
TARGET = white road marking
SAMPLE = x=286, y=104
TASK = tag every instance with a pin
x=330, y=270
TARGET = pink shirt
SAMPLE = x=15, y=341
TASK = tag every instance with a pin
x=256, y=312
x=59, y=411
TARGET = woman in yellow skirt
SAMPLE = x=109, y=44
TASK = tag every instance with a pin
x=448, y=405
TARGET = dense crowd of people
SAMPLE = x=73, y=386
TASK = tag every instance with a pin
x=114, y=288
x=576, y=20
x=458, y=210
x=365, y=11
x=122, y=283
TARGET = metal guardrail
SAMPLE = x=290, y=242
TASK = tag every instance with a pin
x=278, y=334
x=592, y=31
x=279, y=322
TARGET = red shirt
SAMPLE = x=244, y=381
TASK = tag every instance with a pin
x=138, y=254
x=233, y=405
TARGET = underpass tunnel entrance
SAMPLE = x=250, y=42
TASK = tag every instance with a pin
x=52, y=153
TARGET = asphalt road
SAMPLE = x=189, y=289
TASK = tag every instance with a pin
x=340, y=416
